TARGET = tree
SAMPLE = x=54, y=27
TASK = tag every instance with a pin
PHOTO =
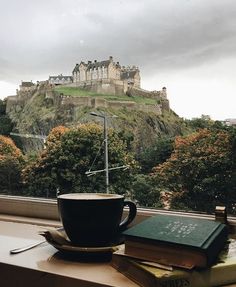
x=6, y=124
x=201, y=170
x=204, y=122
x=155, y=154
x=11, y=161
x=39, y=180
x=200, y=123
x=144, y=192
x=8, y=148
x=70, y=153
x=2, y=107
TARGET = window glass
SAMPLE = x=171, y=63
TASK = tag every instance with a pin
x=148, y=112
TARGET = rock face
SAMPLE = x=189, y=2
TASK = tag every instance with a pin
x=38, y=111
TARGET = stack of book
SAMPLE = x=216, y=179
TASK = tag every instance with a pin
x=146, y=275
x=177, y=241
x=177, y=251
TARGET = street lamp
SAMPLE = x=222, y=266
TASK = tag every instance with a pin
x=106, y=169
x=104, y=117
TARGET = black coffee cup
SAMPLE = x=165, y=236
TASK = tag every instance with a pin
x=94, y=219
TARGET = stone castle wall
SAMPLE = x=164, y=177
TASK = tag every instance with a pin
x=11, y=103
x=132, y=92
x=104, y=86
x=165, y=105
x=15, y=104
x=122, y=104
x=97, y=102
x=77, y=101
x=57, y=99
x=158, y=95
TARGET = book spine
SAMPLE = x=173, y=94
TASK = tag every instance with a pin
x=132, y=272
x=166, y=255
x=145, y=278
x=216, y=243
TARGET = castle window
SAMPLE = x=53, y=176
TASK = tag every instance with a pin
x=105, y=73
x=99, y=72
x=94, y=74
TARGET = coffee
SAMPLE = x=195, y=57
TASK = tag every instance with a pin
x=94, y=219
x=90, y=196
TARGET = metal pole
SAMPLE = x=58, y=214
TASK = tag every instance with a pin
x=106, y=167
x=106, y=153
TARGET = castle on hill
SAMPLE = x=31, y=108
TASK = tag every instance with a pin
x=105, y=76
x=101, y=77
x=107, y=70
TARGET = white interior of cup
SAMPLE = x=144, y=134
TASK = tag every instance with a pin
x=90, y=196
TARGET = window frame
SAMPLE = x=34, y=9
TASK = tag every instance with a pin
x=45, y=211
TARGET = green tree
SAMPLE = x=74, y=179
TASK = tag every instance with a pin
x=155, y=154
x=2, y=107
x=200, y=123
x=70, y=153
x=204, y=122
x=144, y=192
x=201, y=170
x=6, y=124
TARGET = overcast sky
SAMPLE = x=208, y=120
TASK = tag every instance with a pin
x=188, y=46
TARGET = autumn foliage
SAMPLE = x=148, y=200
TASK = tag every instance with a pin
x=8, y=148
x=69, y=153
x=11, y=160
x=201, y=170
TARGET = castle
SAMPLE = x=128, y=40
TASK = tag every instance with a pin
x=104, y=77
x=106, y=71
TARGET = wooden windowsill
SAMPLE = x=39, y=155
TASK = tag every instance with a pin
x=44, y=266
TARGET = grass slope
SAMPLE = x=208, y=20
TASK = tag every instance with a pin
x=76, y=92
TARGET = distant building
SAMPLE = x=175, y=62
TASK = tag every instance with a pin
x=106, y=71
x=60, y=80
x=230, y=122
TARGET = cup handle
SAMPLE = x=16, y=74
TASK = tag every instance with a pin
x=131, y=215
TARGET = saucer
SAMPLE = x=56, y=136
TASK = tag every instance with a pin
x=59, y=240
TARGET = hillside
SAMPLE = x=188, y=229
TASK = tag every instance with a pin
x=42, y=110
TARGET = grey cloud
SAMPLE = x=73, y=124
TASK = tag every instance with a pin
x=46, y=37
x=187, y=39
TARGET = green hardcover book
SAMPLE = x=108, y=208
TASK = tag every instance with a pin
x=177, y=241
x=222, y=273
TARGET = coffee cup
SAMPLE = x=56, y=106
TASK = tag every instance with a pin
x=94, y=219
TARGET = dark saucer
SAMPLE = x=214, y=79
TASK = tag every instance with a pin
x=58, y=239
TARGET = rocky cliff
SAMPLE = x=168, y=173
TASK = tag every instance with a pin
x=40, y=110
